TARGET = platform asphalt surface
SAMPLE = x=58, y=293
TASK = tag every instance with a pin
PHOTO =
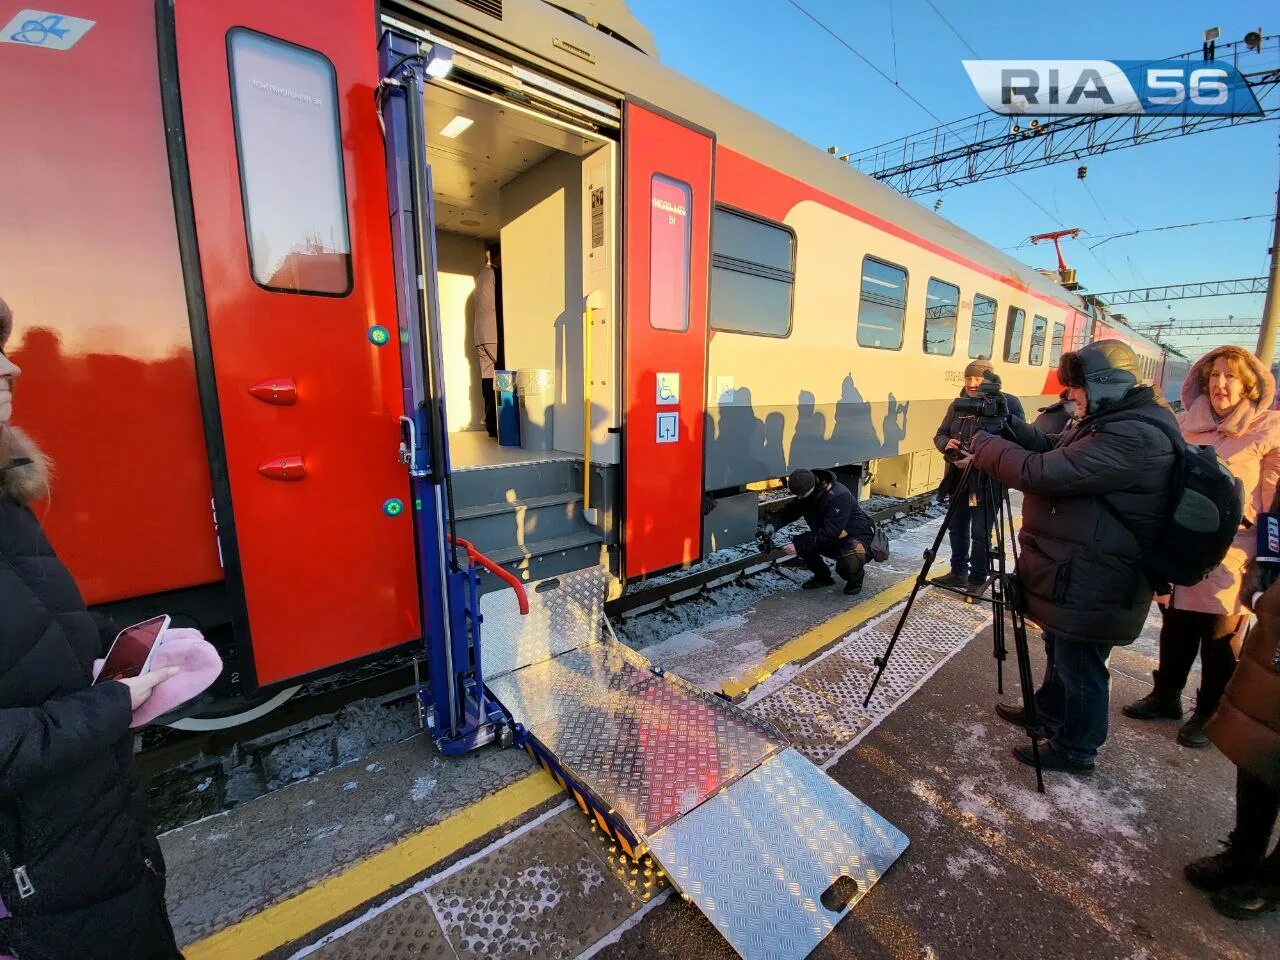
x=407, y=854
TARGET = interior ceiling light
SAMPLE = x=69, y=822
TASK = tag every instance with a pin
x=456, y=126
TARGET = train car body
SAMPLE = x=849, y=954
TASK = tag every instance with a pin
x=211, y=307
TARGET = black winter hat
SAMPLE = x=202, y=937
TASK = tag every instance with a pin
x=801, y=482
x=1106, y=369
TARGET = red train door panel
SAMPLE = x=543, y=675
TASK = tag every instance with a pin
x=666, y=259
x=288, y=186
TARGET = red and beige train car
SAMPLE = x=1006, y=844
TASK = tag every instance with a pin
x=198, y=249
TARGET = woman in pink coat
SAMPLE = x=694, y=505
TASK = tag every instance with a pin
x=1225, y=397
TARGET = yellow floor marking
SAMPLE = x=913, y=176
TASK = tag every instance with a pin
x=829, y=631
x=291, y=919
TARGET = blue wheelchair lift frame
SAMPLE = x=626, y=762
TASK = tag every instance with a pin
x=454, y=705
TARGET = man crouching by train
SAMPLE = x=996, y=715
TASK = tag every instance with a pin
x=1087, y=488
x=972, y=520
x=838, y=528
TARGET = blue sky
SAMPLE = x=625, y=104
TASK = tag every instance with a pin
x=768, y=56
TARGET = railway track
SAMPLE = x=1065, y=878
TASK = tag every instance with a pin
x=196, y=773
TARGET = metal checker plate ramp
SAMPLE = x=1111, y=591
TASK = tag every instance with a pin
x=564, y=613
x=757, y=857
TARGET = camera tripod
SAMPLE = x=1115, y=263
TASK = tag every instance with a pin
x=1005, y=599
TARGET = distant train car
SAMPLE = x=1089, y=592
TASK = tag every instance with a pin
x=204, y=250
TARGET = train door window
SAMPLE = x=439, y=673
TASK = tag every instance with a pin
x=669, y=243
x=942, y=300
x=882, y=306
x=982, y=328
x=1035, y=352
x=284, y=99
x=1055, y=345
x=1013, y=335
x=752, y=275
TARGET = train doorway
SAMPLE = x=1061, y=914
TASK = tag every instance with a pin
x=522, y=212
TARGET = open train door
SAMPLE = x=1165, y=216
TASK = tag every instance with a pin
x=667, y=175
x=280, y=182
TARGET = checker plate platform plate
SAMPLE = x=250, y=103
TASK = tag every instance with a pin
x=744, y=825
x=757, y=857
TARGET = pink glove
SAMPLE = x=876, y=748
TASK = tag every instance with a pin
x=199, y=666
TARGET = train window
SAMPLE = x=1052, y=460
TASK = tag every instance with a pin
x=1013, y=335
x=982, y=328
x=284, y=99
x=1035, y=352
x=942, y=300
x=752, y=275
x=669, y=244
x=882, y=306
x=1055, y=345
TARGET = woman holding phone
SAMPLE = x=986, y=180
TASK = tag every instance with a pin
x=80, y=869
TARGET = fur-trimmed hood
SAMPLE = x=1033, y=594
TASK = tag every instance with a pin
x=24, y=469
x=1199, y=416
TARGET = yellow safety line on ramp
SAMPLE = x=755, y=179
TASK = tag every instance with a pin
x=289, y=920
x=829, y=631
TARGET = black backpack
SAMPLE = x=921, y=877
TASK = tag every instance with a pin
x=1206, y=505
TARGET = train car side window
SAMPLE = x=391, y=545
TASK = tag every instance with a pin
x=752, y=275
x=669, y=245
x=1013, y=335
x=284, y=100
x=982, y=328
x=942, y=302
x=1055, y=345
x=1035, y=352
x=882, y=306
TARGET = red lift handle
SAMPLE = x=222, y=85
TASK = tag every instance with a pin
x=504, y=575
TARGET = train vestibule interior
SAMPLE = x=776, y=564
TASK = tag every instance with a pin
x=511, y=186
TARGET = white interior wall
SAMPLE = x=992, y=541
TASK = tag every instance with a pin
x=459, y=259
x=542, y=283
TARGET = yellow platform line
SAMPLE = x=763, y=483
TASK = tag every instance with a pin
x=289, y=920
x=827, y=632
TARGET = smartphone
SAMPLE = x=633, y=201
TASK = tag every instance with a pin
x=133, y=649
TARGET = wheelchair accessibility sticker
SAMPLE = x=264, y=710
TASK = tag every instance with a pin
x=668, y=389
x=39, y=28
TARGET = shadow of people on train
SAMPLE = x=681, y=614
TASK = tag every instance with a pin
x=736, y=442
x=808, y=442
x=893, y=429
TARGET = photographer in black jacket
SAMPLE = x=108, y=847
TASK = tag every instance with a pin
x=1079, y=567
x=971, y=522
x=838, y=528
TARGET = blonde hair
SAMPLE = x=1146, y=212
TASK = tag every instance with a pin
x=1238, y=359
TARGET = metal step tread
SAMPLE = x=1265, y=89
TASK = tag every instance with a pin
x=536, y=548
x=505, y=506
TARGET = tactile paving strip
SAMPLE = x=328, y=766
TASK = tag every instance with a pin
x=757, y=857
x=564, y=614
x=407, y=930
x=820, y=708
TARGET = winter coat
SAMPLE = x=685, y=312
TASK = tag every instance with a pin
x=1246, y=726
x=71, y=814
x=1248, y=439
x=963, y=427
x=1078, y=564
x=836, y=522
x=1053, y=419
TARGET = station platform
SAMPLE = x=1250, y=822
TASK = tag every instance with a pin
x=407, y=854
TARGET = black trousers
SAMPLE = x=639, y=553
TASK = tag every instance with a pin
x=1217, y=638
x=1257, y=808
x=490, y=406
x=848, y=565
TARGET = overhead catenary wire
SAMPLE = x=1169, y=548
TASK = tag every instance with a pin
x=910, y=96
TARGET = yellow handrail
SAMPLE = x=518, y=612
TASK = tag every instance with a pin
x=588, y=317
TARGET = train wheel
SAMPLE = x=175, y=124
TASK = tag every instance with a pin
x=232, y=713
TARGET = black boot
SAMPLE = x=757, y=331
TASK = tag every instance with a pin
x=1248, y=900
x=816, y=581
x=1192, y=733
x=1221, y=870
x=1159, y=704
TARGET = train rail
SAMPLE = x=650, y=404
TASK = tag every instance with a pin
x=197, y=773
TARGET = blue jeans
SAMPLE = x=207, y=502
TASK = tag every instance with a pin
x=1074, y=698
x=970, y=533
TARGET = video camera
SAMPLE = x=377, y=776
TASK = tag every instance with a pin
x=989, y=407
